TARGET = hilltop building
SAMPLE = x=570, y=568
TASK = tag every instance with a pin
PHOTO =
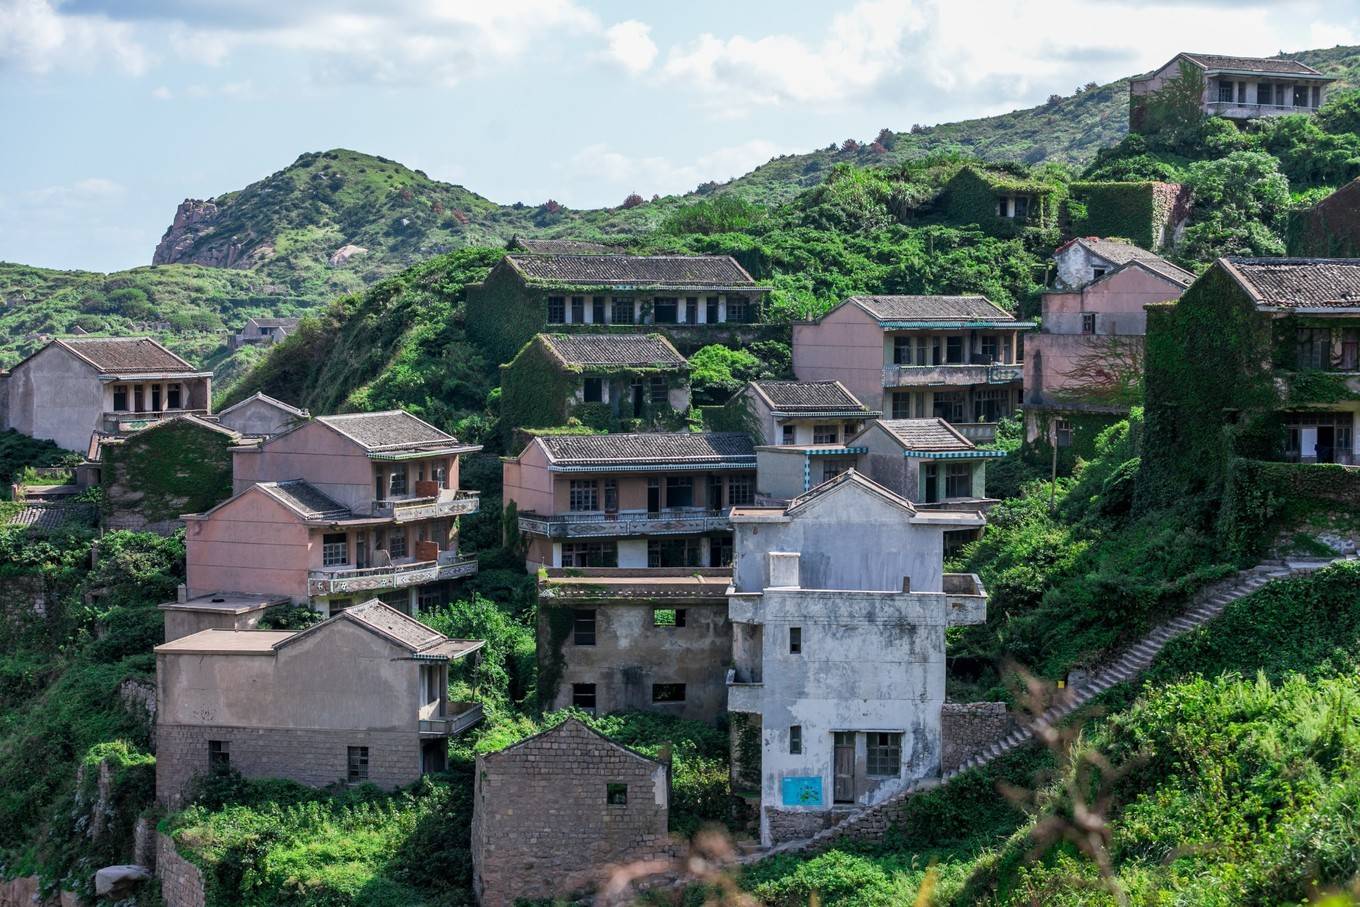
x=687, y=297
x=1000, y=203
x=956, y=358
x=803, y=413
x=360, y=697
x=1238, y=88
x=263, y=331
x=838, y=647
x=77, y=386
x=1330, y=228
x=603, y=380
x=630, y=500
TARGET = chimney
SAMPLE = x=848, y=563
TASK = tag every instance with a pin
x=906, y=584
x=784, y=572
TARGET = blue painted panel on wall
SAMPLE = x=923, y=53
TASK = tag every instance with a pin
x=801, y=791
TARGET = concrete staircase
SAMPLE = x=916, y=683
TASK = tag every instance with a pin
x=872, y=821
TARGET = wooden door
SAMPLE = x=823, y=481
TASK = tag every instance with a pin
x=843, y=768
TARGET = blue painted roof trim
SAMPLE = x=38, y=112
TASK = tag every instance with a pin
x=955, y=454
x=957, y=325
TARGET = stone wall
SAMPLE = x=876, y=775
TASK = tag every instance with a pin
x=26, y=891
x=315, y=757
x=181, y=881
x=796, y=824
x=543, y=825
x=969, y=728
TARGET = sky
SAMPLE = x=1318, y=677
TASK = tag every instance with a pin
x=114, y=111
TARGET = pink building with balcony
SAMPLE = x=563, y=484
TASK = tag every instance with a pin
x=956, y=358
x=334, y=511
x=1239, y=88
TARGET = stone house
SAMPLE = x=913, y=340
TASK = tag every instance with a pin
x=838, y=646
x=603, y=380
x=1268, y=346
x=617, y=639
x=263, y=331
x=1330, y=228
x=693, y=299
x=1000, y=203
x=1238, y=88
x=355, y=504
x=152, y=476
x=956, y=358
x=74, y=387
x=259, y=416
x=553, y=814
x=803, y=412
x=630, y=500
x=1086, y=361
x=360, y=697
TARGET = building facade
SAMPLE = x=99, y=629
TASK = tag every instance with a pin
x=1239, y=88
x=263, y=331
x=360, y=697
x=838, y=646
x=1330, y=228
x=630, y=500
x=259, y=416
x=957, y=358
x=803, y=413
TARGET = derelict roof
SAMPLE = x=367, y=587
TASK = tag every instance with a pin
x=394, y=431
x=1250, y=64
x=271, y=401
x=931, y=308
x=226, y=603
x=276, y=322
x=126, y=355
x=926, y=434
x=809, y=398
x=226, y=642
x=569, y=725
x=560, y=246
x=378, y=617
x=1325, y=284
x=705, y=449
x=639, y=350
x=304, y=499
x=94, y=452
x=1122, y=253
x=713, y=271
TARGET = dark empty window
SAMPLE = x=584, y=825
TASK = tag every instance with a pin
x=219, y=755
x=824, y=434
x=668, y=692
x=120, y=399
x=1300, y=95
x=795, y=640
x=358, y=763
x=884, y=754
x=593, y=390
x=679, y=491
x=173, y=396
x=958, y=480
x=597, y=309
x=738, y=310
x=1225, y=92
x=1021, y=207
x=616, y=794
x=1314, y=347
x=1088, y=322
x=658, y=391
x=583, y=627
x=623, y=310
x=953, y=349
x=902, y=350
x=590, y=554
x=578, y=309
x=583, y=696
x=788, y=434
x=692, y=310
x=668, y=617
x=741, y=491
x=796, y=739
x=664, y=309
x=711, y=310
x=557, y=310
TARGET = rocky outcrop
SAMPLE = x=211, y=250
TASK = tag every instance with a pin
x=119, y=882
x=27, y=891
x=184, y=241
x=345, y=253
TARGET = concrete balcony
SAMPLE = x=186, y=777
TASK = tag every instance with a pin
x=744, y=694
x=342, y=579
x=1241, y=110
x=977, y=432
x=598, y=524
x=446, y=502
x=965, y=598
x=461, y=717
x=124, y=422
x=954, y=375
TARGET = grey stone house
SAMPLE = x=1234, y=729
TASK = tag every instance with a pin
x=553, y=813
x=360, y=697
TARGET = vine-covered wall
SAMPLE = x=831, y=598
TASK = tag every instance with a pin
x=502, y=314
x=971, y=198
x=1145, y=212
x=1260, y=495
x=155, y=475
x=1329, y=229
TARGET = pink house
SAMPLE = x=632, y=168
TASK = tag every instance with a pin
x=334, y=511
x=913, y=357
x=1088, y=356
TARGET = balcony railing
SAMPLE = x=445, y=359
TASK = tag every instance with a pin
x=446, y=503
x=960, y=374
x=1340, y=456
x=340, y=580
x=126, y=421
x=1243, y=110
x=465, y=715
x=976, y=431
x=744, y=693
x=600, y=524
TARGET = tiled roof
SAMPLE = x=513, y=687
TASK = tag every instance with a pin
x=125, y=354
x=276, y=322
x=649, y=448
x=391, y=622
x=634, y=270
x=1298, y=283
x=390, y=430
x=931, y=308
x=305, y=499
x=809, y=397
x=1252, y=64
x=561, y=247
x=52, y=517
x=614, y=349
x=269, y=401
x=1121, y=253
x=926, y=434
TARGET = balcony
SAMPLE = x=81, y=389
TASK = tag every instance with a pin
x=341, y=580
x=428, y=503
x=965, y=598
x=599, y=524
x=463, y=715
x=977, y=432
x=124, y=422
x=951, y=375
x=1241, y=110
x=744, y=692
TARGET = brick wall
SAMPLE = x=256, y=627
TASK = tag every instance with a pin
x=969, y=728
x=181, y=881
x=315, y=757
x=542, y=826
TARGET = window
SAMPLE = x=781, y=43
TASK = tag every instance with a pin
x=668, y=692
x=1225, y=92
x=991, y=405
x=611, y=495
x=738, y=310
x=901, y=405
x=583, y=626
x=664, y=309
x=1097, y=273
x=219, y=755
x=1317, y=96
x=597, y=309
x=334, y=549
x=674, y=552
x=795, y=640
x=720, y=552
x=396, y=543
x=173, y=396
x=583, y=495
x=396, y=482
x=1241, y=92
x=1350, y=350
x=885, y=755
x=590, y=554
x=592, y=390
x=668, y=617
x=616, y=793
x=930, y=473
x=583, y=696
x=953, y=349
x=824, y=434
x=741, y=491
x=658, y=391
x=578, y=309
x=948, y=406
x=795, y=740
x=902, y=350
x=832, y=468
x=1003, y=207
x=692, y=310
x=711, y=310
x=358, y=764
x=990, y=347
x=557, y=310
x=679, y=491
x=958, y=480
x=623, y=310
x=1088, y=322
x=430, y=597
x=1314, y=347
x=120, y=399
x=1062, y=433
x=788, y=434
x=1021, y=207
x=1301, y=96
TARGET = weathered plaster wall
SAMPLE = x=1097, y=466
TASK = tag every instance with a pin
x=845, y=345
x=250, y=544
x=57, y=397
x=256, y=417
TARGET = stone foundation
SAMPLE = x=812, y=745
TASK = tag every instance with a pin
x=968, y=729
x=796, y=824
x=181, y=881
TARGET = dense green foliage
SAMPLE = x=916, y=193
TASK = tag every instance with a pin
x=169, y=469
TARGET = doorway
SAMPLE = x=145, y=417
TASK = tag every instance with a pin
x=639, y=399
x=843, y=767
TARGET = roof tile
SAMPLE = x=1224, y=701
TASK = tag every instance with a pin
x=809, y=396
x=1294, y=283
x=615, y=349
x=1252, y=64
x=932, y=308
x=389, y=430
x=126, y=354
x=650, y=448
x=926, y=434
x=634, y=270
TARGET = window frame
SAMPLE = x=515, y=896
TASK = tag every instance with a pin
x=583, y=496
x=356, y=764
x=664, y=693
x=334, y=549
x=795, y=740
x=219, y=755
x=795, y=640
x=877, y=747
x=616, y=793
x=582, y=691
x=826, y=433
x=584, y=627
x=557, y=310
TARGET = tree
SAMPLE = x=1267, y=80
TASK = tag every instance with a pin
x=849, y=146
x=632, y=201
x=716, y=372
x=887, y=138
x=1109, y=374
x=1240, y=205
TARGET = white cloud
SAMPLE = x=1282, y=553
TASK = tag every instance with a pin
x=37, y=38
x=162, y=93
x=92, y=190
x=630, y=45
x=656, y=175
